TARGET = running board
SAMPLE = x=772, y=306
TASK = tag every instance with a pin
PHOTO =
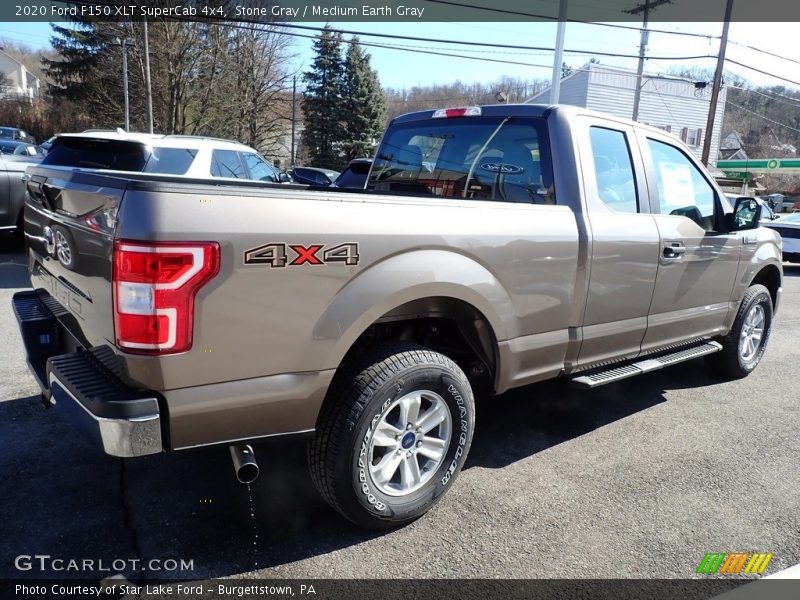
x=646, y=365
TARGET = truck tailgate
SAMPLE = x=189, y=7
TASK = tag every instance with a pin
x=70, y=218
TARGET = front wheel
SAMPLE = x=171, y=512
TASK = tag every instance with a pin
x=392, y=435
x=746, y=342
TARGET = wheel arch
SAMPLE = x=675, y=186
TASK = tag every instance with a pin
x=420, y=289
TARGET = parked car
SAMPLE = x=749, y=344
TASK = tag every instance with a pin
x=176, y=155
x=12, y=190
x=314, y=176
x=355, y=174
x=789, y=228
x=12, y=133
x=495, y=247
x=46, y=145
x=19, y=148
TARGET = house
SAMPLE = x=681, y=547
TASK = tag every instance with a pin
x=17, y=81
x=732, y=147
x=675, y=105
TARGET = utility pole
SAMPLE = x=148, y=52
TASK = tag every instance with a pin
x=123, y=42
x=645, y=10
x=558, y=59
x=712, y=109
x=148, y=87
x=294, y=92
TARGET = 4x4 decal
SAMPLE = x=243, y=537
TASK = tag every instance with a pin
x=276, y=255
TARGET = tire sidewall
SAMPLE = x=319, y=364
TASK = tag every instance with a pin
x=762, y=298
x=457, y=394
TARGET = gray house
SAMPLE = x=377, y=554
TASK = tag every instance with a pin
x=671, y=104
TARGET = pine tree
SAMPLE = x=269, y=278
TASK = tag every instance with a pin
x=322, y=102
x=363, y=101
x=87, y=70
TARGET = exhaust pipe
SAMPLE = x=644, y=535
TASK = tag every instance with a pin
x=244, y=463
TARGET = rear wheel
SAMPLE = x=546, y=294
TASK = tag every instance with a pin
x=392, y=436
x=746, y=342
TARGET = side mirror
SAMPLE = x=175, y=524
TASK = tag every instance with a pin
x=746, y=214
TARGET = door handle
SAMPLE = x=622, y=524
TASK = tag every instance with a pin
x=674, y=250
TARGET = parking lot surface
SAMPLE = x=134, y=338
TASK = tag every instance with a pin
x=636, y=479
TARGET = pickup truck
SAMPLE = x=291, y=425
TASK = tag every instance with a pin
x=493, y=247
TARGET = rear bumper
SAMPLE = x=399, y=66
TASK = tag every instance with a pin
x=80, y=383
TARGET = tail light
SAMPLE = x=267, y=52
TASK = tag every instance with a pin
x=154, y=289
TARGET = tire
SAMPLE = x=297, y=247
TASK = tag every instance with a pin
x=358, y=430
x=737, y=359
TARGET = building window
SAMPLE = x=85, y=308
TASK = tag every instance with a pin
x=691, y=136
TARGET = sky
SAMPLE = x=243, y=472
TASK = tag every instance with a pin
x=404, y=69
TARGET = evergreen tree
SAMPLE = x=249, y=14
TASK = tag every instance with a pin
x=87, y=69
x=363, y=102
x=322, y=101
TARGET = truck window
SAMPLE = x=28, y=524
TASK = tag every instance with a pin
x=170, y=161
x=682, y=189
x=613, y=169
x=97, y=153
x=259, y=170
x=226, y=163
x=493, y=158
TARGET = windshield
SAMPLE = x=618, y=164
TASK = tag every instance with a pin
x=491, y=158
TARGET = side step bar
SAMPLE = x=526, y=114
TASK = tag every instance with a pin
x=646, y=365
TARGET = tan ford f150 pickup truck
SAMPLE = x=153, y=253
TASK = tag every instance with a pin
x=493, y=247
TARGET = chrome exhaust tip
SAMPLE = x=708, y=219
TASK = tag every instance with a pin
x=244, y=463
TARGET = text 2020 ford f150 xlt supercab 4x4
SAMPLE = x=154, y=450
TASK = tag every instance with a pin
x=492, y=247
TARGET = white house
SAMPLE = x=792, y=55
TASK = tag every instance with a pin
x=672, y=104
x=16, y=79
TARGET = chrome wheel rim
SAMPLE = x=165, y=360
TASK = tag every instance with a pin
x=63, y=250
x=752, y=333
x=409, y=442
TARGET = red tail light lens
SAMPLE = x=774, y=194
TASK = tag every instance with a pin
x=154, y=289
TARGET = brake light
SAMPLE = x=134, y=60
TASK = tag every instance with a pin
x=154, y=289
x=462, y=111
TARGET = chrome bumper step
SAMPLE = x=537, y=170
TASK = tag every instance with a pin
x=618, y=373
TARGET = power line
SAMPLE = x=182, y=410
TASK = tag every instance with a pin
x=730, y=60
x=474, y=44
x=795, y=102
x=774, y=122
x=767, y=52
x=427, y=39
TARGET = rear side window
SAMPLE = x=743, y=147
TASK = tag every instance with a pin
x=170, y=161
x=226, y=163
x=94, y=153
x=613, y=169
x=492, y=158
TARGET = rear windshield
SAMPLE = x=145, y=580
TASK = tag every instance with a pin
x=97, y=154
x=484, y=158
x=119, y=155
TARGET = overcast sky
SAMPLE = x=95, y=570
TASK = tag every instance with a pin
x=398, y=68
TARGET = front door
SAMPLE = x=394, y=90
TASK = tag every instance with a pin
x=698, y=260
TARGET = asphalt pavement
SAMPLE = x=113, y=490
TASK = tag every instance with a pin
x=636, y=479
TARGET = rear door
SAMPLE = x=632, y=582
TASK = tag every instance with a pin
x=698, y=260
x=624, y=242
